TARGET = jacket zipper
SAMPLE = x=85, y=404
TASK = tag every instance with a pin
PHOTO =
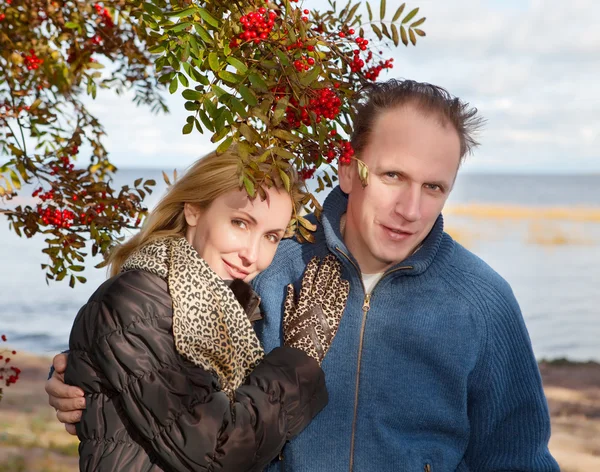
x=427, y=468
x=365, y=308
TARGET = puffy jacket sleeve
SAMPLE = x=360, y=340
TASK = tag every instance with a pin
x=173, y=407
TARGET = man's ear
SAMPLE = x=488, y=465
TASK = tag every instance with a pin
x=346, y=175
x=192, y=214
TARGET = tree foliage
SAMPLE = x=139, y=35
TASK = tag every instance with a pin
x=265, y=75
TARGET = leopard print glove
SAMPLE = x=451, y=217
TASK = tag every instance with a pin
x=311, y=323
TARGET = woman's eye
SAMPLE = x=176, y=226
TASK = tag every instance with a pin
x=273, y=238
x=239, y=223
x=391, y=175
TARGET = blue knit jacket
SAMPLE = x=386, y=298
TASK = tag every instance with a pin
x=433, y=372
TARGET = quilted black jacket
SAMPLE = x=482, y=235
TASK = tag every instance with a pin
x=149, y=409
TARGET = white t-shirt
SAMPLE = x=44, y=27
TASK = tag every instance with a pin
x=370, y=280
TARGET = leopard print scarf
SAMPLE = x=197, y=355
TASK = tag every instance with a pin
x=209, y=325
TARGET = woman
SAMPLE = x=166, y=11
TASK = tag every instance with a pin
x=173, y=374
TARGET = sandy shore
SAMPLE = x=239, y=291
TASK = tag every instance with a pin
x=32, y=440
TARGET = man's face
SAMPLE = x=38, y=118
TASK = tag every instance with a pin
x=412, y=161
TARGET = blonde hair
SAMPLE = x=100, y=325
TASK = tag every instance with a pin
x=208, y=178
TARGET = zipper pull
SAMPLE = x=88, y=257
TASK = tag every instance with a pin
x=427, y=468
x=367, y=303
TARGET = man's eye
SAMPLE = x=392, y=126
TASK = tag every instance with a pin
x=434, y=187
x=239, y=223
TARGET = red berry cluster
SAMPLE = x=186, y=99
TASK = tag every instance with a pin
x=66, y=162
x=307, y=173
x=339, y=148
x=2, y=16
x=304, y=63
x=44, y=196
x=9, y=374
x=55, y=217
x=373, y=72
x=32, y=62
x=257, y=25
x=326, y=104
x=104, y=15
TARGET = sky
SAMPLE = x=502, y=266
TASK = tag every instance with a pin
x=531, y=67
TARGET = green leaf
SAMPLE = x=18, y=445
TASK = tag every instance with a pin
x=285, y=179
x=248, y=95
x=249, y=186
x=403, y=35
x=398, y=12
x=71, y=25
x=190, y=94
x=418, y=22
x=213, y=61
x=220, y=134
x=224, y=145
x=286, y=135
x=258, y=82
x=239, y=65
x=204, y=35
x=206, y=121
x=15, y=179
x=211, y=108
x=382, y=10
x=249, y=133
x=284, y=153
x=410, y=16
x=395, y=36
x=178, y=27
x=173, y=85
x=229, y=77
x=238, y=107
x=369, y=12
x=352, y=12
x=157, y=49
x=385, y=31
x=76, y=268
x=282, y=58
x=363, y=173
x=411, y=35
x=219, y=92
x=419, y=32
x=182, y=13
x=208, y=18
x=279, y=112
x=183, y=79
x=377, y=31
x=188, y=127
x=311, y=76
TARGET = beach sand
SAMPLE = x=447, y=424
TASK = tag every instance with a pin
x=32, y=440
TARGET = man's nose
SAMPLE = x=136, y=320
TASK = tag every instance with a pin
x=409, y=203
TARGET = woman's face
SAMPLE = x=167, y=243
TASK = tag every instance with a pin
x=237, y=236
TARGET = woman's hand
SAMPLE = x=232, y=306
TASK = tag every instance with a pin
x=68, y=401
x=311, y=323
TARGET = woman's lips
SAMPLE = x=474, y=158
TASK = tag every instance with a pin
x=235, y=271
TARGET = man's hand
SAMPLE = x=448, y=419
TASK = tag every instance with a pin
x=68, y=401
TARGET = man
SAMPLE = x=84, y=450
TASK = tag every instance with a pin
x=432, y=367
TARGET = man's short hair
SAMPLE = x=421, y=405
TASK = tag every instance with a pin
x=429, y=99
